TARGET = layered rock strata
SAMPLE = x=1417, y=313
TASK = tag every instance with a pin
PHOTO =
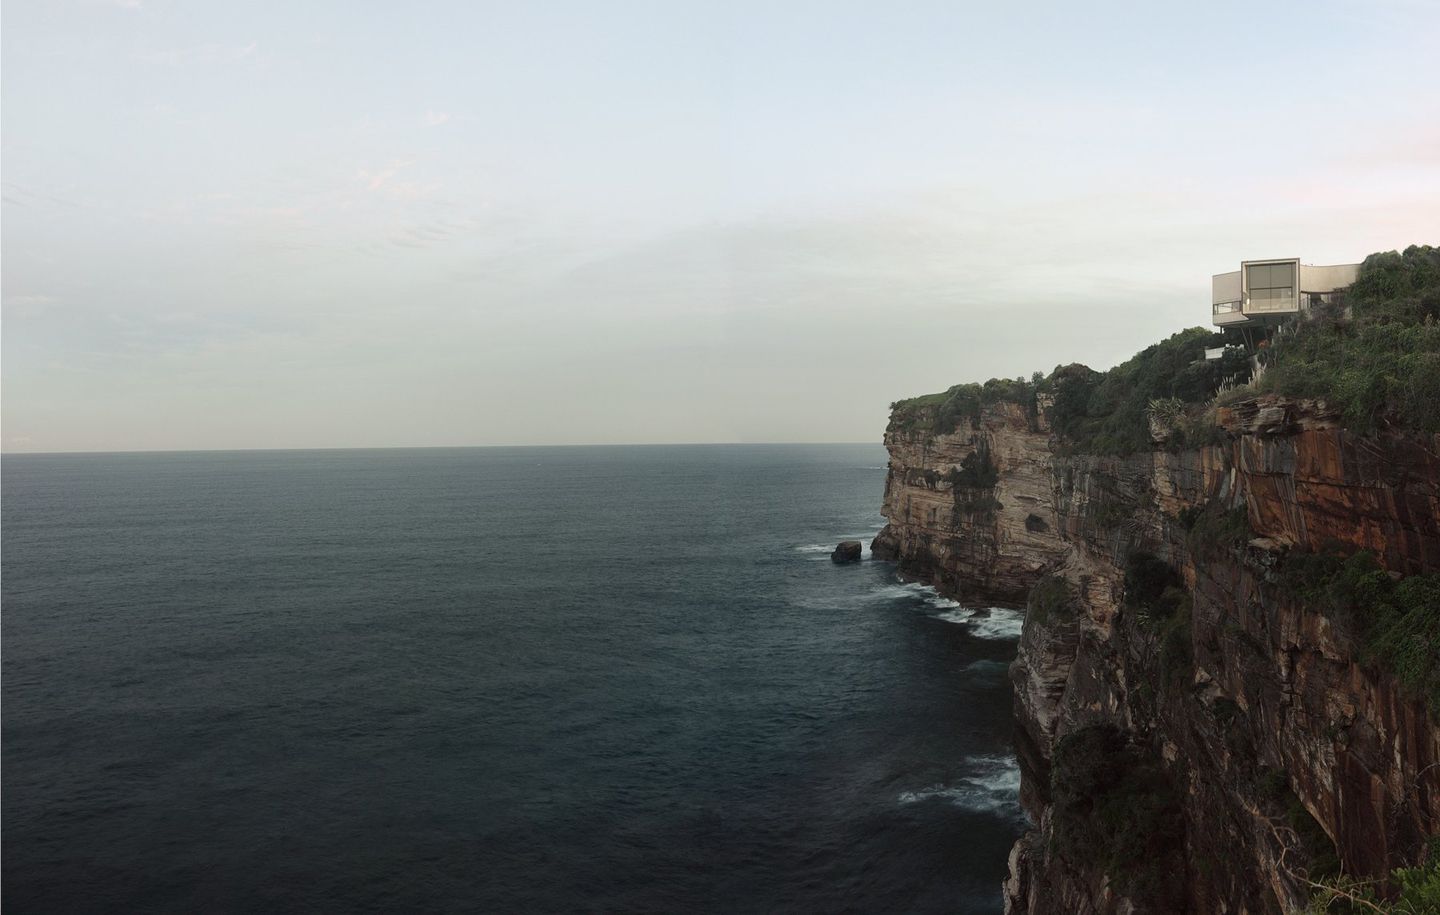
x=1280, y=743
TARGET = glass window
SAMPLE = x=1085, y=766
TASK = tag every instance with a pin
x=1271, y=286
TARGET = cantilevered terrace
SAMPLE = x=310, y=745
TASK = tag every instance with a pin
x=1265, y=292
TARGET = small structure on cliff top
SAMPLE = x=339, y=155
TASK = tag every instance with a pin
x=1264, y=293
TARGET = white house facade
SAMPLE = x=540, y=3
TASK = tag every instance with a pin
x=1265, y=292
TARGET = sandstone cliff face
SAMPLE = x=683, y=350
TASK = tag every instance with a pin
x=972, y=511
x=1268, y=704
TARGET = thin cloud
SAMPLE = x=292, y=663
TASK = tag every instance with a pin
x=29, y=301
x=436, y=118
x=376, y=180
x=209, y=53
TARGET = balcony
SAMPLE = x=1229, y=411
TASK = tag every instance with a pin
x=1227, y=313
x=1269, y=301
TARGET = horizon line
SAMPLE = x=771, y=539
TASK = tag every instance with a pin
x=4, y=454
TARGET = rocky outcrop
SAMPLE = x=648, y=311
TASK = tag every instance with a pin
x=847, y=551
x=972, y=510
x=1275, y=741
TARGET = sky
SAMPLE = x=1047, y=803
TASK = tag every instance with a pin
x=346, y=224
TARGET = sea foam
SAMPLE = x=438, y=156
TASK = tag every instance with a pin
x=992, y=786
x=997, y=623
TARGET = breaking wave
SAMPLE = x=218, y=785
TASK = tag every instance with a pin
x=828, y=548
x=996, y=623
x=999, y=624
x=992, y=786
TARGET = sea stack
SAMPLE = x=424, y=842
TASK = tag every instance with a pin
x=847, y=551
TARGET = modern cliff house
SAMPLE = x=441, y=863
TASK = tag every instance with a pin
x=1262, y=293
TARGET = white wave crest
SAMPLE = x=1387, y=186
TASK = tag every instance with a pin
x=924, y=592
x=993, y=786
x=815, y=548
x=999, y=624
x=828, y=548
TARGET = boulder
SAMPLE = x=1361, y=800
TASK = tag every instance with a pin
x=847, y=551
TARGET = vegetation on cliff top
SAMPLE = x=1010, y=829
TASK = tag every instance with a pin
x=1378, y=363
x=946, y=411
x=1109, y=412
x=1099, y=412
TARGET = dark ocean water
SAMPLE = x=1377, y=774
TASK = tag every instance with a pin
x=549, y=679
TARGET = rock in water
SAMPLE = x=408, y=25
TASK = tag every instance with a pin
x=847, y=551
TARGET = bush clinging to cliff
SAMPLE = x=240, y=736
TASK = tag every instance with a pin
x=1321, y=857
x=1051, y=600
x=1417, y=892
x=1396, y=622
x=1153, y=589
x=1114, y=807
x=1212, y=528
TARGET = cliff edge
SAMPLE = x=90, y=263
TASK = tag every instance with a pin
x=1226, y=686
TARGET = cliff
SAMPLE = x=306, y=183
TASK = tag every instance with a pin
x=1205, y=721
x=972, y=510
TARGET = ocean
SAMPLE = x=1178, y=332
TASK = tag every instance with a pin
x=618, y=679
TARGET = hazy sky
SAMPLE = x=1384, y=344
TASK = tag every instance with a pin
x=307, y=224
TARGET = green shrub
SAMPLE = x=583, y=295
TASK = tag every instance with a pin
x=1051, y=600
x=1416, y=891
x=937, y=413
x=1381, y=363
x=1396, y=622
x=1109, y=413
x=1378, y=363
x=1115, y=808
x=946, y=411
x=976, y=471
x=1153, y=588
x=1320, y=853
x=1212, y=528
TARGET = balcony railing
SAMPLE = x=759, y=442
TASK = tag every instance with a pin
x=1271, y=305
